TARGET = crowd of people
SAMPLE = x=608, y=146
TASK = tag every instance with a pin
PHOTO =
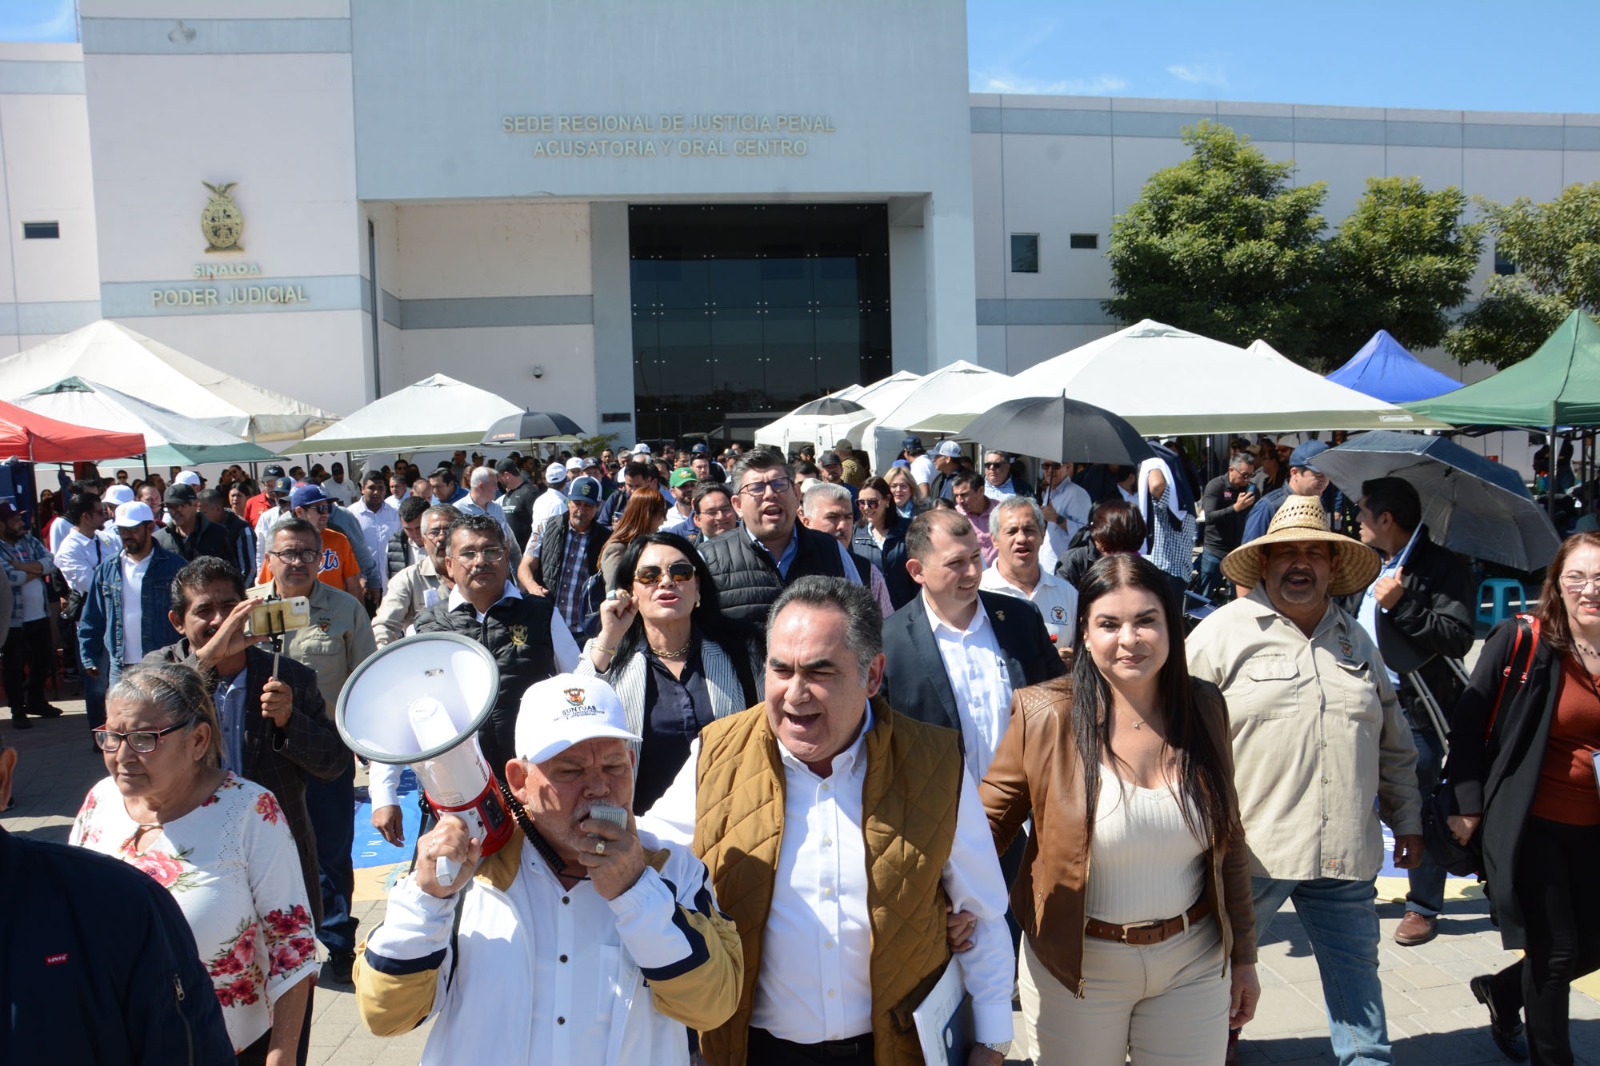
x=784, y=735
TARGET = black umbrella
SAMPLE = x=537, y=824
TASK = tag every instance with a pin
x=1059, y=428
x=531, y=426
x=828, y=406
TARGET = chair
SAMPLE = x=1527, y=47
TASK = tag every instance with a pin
x=1494, y=600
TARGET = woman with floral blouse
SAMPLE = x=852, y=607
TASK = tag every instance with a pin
x=217, y=842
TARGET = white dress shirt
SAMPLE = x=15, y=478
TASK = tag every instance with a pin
x=76, y=559
x=1071, y=502
x=264, y=523
x=815, y=982
x=133, y=606
x=1056, y=599
x=982, y=685
x=377, y=527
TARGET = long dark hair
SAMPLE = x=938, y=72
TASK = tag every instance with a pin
x=714, y=626
x=1202, y=768
x=1554, y=627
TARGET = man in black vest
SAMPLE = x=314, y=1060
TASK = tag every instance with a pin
x=526, y=636
x=752, y=563
x=518, y=495
x=568, y=554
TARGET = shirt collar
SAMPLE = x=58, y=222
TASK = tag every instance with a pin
x=845, y=762
x=980, y=620
x=510, y=592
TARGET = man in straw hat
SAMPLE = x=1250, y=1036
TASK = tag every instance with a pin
x=1317, y=734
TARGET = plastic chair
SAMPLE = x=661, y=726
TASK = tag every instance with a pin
x=1494, y=600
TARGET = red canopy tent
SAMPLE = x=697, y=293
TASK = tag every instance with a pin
x=38, y=439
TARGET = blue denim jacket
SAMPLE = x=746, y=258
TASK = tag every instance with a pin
x=100, y=628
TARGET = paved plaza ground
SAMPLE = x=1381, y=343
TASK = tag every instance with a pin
x=1432, y=1016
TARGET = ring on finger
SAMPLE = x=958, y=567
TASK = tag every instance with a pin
x=600, y=847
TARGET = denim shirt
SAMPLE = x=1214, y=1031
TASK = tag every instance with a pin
x=100, y=629
x=30, y=549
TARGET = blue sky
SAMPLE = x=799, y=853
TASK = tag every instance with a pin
x=1467, y=54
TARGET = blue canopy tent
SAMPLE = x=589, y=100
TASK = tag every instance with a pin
x=1384, y=370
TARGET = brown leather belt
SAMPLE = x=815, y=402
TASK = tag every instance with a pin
x=1145, y=934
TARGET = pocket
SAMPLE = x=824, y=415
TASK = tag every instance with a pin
x=1273, y=691
x=1361, y=700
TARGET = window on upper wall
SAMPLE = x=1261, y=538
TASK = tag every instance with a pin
x=1084, y=241
x=41, y=231
x=1503, y=263
x=1024, y=253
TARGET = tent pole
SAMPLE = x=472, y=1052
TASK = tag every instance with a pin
x=1550, y=488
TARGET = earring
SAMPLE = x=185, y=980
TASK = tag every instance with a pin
x=697, y=601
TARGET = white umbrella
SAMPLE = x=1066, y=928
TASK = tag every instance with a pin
x=938, y=391
x=436, y=412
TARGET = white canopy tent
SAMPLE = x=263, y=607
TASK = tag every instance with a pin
x=1168, y=381
x=879, y=396
x=436, y=412
x=944, y=389
x=111, y=354
x=170, y=438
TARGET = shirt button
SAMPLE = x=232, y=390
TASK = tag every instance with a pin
x=566, y=899
x=563, y=958
x=826, y=892
x=832, y=993
x=828, y=944
x=561, y=1021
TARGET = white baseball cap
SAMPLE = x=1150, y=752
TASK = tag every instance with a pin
x=565, y=710
x=187, y=477
x=134, y=514
x=119, y=494
x=574, y=465
x=641, y=447
x=555, y=473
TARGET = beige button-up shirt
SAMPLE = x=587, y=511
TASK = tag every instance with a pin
x=334, y=644
x=1317, y=736
x=410, y=592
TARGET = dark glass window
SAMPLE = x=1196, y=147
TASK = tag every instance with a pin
x=41, y=231
x=1503, y=263
x=1084, y=241
x=1024, y=253
x=754, y=308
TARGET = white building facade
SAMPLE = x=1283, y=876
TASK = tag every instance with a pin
x=651, y=217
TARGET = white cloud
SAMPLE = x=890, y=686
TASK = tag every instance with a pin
x=1099, y=85
x=1199, y=73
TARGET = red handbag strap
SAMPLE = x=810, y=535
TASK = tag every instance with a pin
x=1527, y=625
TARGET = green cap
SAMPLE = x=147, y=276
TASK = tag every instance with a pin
x=681, y=476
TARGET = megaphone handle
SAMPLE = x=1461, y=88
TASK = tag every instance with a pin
x=445, y=870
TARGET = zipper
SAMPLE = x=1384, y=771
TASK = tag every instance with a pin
x=188, y=1031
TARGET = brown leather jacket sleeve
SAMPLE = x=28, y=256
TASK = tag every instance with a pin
x=1004, y=788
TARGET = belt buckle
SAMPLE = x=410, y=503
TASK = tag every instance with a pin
x=1142, y=935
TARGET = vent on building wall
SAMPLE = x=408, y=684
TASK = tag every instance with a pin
x=41, y=231
x=1085, y=241
x=616, y=416
x=1024, y=253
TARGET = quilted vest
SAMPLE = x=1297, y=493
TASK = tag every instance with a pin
x=748, y=580
x=910, y=794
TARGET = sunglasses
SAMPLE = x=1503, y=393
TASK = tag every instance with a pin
x=679, y=573
x=868, y=505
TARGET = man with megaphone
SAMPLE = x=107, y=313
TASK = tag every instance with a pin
x=582, y=940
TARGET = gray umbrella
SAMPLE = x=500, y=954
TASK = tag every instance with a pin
x=1470, y=504
x=1059, y=428
x=828, y=406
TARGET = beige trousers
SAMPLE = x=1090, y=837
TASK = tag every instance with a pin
x=1164, y=1005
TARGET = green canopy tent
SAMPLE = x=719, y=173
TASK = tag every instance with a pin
x=1558, y=385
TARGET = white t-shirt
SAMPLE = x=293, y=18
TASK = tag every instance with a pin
x=133, y=606
x=346, y=492
x=922, y=469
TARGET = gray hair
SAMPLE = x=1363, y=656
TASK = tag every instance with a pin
x=291, y=524
x=1241, y=459
x=854, y=601
x=481, y=476
x=447, y=511
x=1016, y=503
x=178, y=693
x=827, y=490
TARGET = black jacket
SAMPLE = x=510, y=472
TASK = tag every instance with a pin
x=747, y=578
x=914, y=678
x=1499, y=777
x=518, y=506
x=280, y=760
x=99, y=965
x=517, y=634
x=400, y=553
x=1433, y=619
x=1224, y=525
x=208, y=538
x=890, y=557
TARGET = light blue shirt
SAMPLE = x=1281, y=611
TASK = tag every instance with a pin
x=230, y=712
x=1368, y=615
x=786, y=560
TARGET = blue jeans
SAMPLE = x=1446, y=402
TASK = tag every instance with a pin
x=1426, y=896
x=1341, y=922
x=331, y=806
x=95, y=688
x=1210, y=575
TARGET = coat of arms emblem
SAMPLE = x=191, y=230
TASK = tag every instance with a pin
x=220, y=219
x=519, y=636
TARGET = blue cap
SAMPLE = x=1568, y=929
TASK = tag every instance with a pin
x=584, y=490
x=1305, y=453
x=306, y=495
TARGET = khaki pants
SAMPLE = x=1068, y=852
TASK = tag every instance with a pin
x=1162, y=1005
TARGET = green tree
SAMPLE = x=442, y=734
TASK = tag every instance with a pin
x=1556, y=249
x=1401, y=261
x=1223, y=244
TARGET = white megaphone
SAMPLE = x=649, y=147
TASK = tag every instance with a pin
x=420, y=701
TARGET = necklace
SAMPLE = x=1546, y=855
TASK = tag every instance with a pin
x=1589, y=648
x=681, y=653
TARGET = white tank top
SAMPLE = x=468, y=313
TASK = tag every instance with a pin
x=1144, y=863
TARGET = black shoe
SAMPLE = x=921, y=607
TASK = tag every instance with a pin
x=48, y=712
x=19, y=720
x=338, y=968
x=1507, y=1031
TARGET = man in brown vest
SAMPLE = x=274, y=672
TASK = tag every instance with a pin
x=838, y=833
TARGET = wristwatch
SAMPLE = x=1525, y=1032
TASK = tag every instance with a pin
x=1001, y=1048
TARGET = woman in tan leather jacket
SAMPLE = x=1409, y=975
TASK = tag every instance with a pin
x=1134, y=893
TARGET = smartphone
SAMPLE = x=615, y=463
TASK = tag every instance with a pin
x=275, y=617
x=604, y=812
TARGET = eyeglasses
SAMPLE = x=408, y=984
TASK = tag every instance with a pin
x=291, y=557
x=725, y=509
x=1048, y=464
x=868, y=505
x=437, y=533
x=1576, y=582
x=756, y=490
x=142, y=741
x=679, y=573
x=488, y=555
x=318, y=508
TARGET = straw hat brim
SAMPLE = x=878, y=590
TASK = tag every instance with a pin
x=1358, y=564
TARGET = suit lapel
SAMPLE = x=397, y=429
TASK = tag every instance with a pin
x=930, y=661
x=1006, y=635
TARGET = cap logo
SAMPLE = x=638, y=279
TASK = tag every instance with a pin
x=574, y=696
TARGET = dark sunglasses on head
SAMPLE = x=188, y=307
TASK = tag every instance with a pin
x=651, y=575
